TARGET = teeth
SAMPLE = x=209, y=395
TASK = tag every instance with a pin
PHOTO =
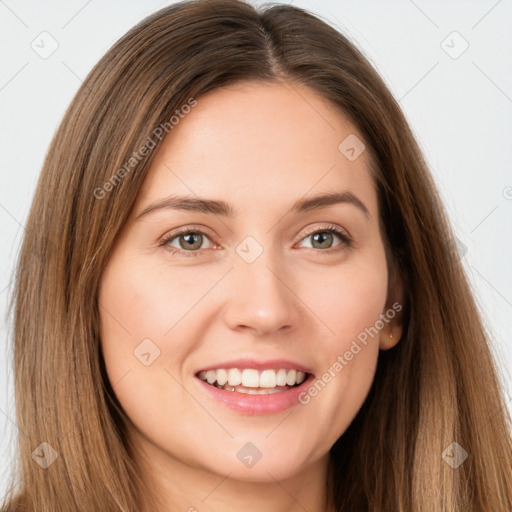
x=290, y=378
x=234, y=377
x=281, y=378
x=268, y=379
x=251, y=378
x=211, y=376
x=222, y=377
x=252, y=391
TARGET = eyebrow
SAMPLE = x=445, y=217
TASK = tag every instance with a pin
x=219, y=207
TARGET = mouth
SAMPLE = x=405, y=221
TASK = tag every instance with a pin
x=255, y=387
x=253, y=382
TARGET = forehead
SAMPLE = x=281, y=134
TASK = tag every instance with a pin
x=260, y=145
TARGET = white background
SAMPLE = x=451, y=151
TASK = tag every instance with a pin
x=459, y=108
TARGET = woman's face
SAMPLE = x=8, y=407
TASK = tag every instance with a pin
x=261, y=283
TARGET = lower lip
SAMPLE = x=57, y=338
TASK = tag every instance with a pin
x=257, y=404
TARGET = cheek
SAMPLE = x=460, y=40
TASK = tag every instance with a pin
x=143, y=314
x=351, y=307
x=138, y=302
x=349, y=302
x=151, y=319
x=133, y=320
x=148, y=299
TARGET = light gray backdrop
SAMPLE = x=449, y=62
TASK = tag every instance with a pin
x=448, y=64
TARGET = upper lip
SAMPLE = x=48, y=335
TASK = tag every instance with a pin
x=269, y=364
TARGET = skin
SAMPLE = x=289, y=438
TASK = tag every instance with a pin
x=259, y=147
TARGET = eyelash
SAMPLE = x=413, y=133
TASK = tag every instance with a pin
x=346, y=241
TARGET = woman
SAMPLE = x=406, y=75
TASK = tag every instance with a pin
x=239, y=288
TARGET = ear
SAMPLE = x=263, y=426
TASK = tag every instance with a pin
x=391, y=333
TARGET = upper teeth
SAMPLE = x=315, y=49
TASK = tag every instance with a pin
x=252, y=378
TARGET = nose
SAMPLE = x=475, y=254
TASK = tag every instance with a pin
x=261, y=297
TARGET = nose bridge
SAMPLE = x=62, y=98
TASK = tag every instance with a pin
x=260, y=296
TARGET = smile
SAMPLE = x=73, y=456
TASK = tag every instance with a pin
x=252, y=381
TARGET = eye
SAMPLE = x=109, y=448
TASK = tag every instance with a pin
x=189, y=241
x=186, y=242
x=323, y=238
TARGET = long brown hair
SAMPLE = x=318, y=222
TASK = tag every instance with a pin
x=438, y=386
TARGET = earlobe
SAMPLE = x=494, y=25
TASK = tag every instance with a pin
x=391, y=333
x=390, y=336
